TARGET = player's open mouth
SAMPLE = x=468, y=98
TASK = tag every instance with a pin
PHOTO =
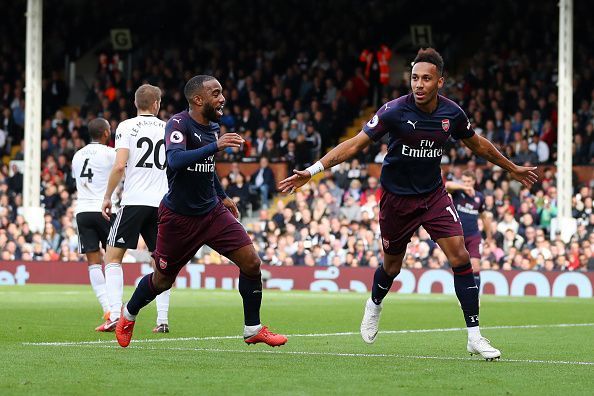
x=219, y=110
x=420, y=95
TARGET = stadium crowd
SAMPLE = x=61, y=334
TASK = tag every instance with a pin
x=335, y=222
x=292, y=101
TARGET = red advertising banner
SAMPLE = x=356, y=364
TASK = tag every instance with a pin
x=200, y=276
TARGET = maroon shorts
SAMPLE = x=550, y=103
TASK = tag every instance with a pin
x=402, y=215
x=473, y=245
x=179, y=237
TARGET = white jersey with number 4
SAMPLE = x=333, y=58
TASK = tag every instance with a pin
x=146, y=178
x=91, y=166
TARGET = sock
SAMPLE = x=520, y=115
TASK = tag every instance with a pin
x=127, y=314
x=114, y=281
x=381, y=285
x=250, y=289
x=477, y=279
x=249, y=331
x=142, y=296
x=474, y=332
x=467, y=293
x=98, y=285
x=162, y=301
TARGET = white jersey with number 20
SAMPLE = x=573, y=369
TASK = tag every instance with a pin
x=146, y=179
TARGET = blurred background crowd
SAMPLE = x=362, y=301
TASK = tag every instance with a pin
x=293, y=98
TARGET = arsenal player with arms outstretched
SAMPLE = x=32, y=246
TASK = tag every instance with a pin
x=419, y=124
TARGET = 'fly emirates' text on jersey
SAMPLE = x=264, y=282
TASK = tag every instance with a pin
x=416, y=141
x=146, y=180
x=91, y=166
x=469, y=209
x=191, y=188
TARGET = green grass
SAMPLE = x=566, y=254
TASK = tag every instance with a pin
x=306, y=365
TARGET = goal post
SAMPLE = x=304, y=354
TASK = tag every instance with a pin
x=32, y=151
x=565, y=222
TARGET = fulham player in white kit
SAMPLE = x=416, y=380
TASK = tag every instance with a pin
x=91, y=166
x=140, y=153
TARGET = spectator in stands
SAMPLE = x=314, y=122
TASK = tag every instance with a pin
x=240, y=193
x=262, y=182
x=524, y=155
x=540, y=148
x=350, y=210
x=314, y=140
x=234, y=173
x=379, y=158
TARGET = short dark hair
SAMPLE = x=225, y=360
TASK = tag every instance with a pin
x=430, y=55
x=96, y=127
x=194, y=85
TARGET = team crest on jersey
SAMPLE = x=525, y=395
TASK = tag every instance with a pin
x=386, y=243
x=162, y=263
x=445, y=124
x=176, y=137
x=373, y=122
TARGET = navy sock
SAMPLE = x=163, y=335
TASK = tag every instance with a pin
x=477, y=279
x=250, y=289
x=381, y=285
x=467, y=293
x=143, y=295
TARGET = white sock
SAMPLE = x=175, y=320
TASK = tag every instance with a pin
x=249, y=331
x=474, y=333
x=163, y=307
x=98, y=285
x=114, y=280
x=373, y=305
x=128, y=315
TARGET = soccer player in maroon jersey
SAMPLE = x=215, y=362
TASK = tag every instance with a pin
x=470, y=205
x=419, y=124
x=196, y=211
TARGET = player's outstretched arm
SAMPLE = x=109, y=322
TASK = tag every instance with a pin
x=115, y=176
x=484, y=148
x=337, y=155
x=453, y=186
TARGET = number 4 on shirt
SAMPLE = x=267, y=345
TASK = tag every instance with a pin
x=88, y=173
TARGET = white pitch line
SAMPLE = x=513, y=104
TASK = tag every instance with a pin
x=343, y=354
x=66, y=293
x=411, y=331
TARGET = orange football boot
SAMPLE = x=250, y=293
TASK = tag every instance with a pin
x=267, y=337
x=124, y=330
x=107, y=327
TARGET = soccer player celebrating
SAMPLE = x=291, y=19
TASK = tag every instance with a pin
x=470, y=204
x=419, y=124
x=91, y=166
x=195, y=211
x=140, y=153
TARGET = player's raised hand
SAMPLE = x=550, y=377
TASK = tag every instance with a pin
x=469, y=191
x=290, y=184
x=106, y=209
x=230, y=204
x=525, y=175
x=229, y=140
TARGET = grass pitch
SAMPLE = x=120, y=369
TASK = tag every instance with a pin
x=547, y=346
